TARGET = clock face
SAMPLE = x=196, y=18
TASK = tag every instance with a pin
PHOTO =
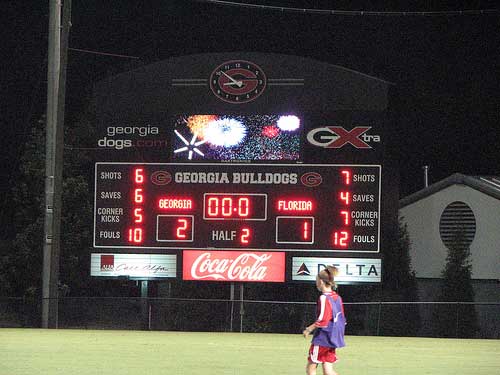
x=237, y=81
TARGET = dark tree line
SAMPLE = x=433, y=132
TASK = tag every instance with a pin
x=456, y=319
x=22, y=255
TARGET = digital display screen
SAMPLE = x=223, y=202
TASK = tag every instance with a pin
x=285, y=207
x=230, y=206
x=237, y=137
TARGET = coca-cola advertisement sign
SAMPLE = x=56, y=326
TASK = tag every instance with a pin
x=234, y=266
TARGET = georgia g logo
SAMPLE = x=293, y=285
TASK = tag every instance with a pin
x=161, y=178
x=337, y=137
x=311, y=179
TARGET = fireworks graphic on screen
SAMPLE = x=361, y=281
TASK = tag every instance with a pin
x=288, y=123
x=237, y=137
x=226, y=132
x=189, y=147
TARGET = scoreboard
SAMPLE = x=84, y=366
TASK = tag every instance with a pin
x=247, y=168
x=271, y=207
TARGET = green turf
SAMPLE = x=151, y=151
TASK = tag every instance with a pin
x=75, y=352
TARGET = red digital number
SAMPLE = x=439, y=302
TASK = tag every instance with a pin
x=138, y=216
x=181, y=229
x=347, y=176
x=306, y=230
x=294, y=230
x=138, y=197
x=135, y=235
x=213, y=206
x=345, y=214
x=340, y=238
x=227, y=207
x=245, y=236
x=173, y=228
x=138, y=175
x=345, y=196
x=243, y=207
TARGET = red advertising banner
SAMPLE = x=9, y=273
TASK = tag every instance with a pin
x=237, y=266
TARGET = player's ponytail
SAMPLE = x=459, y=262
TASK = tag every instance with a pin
x=328, y=275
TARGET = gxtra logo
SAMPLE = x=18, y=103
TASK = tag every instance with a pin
x=107, y=262
x=337, y=137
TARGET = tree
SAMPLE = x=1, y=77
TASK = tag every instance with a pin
x=22, y=257
x=455, y=320
x=399, y=284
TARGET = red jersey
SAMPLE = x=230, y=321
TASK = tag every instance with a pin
x=321, y=349
x=324, y=309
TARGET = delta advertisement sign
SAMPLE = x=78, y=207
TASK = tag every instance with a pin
x=234, y=266
x=351, y=270
x=134, y=266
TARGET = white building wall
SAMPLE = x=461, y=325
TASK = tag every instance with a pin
x=428, y=252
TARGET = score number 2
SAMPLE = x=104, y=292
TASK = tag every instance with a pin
x=174, y=228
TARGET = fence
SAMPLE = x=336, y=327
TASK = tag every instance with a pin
x=429, y=319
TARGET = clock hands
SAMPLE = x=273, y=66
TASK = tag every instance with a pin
x=233, y=81
x=237, y=81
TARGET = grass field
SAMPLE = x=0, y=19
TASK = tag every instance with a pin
x=75, y=352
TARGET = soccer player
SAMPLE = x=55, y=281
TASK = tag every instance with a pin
x=328, y=327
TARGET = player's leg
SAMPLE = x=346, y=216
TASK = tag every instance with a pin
x=311, y=368
x=312, y=360
x=328, y=369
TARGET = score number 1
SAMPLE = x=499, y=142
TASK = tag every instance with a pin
x=295, y=229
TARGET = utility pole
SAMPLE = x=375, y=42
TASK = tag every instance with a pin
x=56, y=80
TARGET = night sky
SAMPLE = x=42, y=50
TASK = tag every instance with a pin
x=445, y=68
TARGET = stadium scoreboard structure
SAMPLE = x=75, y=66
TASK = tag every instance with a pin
x=303, y=208
x=241, y=177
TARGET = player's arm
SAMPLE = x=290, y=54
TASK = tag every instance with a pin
x=321, y=320
x=308, y=330
x=324, y=313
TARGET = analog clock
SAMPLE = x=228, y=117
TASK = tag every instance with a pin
x=237, y=81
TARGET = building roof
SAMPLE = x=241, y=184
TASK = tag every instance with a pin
x=489, y=185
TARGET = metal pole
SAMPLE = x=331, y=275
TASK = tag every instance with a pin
x=231, y=297
x=145, y=313
x=149, y=320
x=242, y=309
x=50, y=249
x=426, y=175
x=378, y=317
x=56, y=93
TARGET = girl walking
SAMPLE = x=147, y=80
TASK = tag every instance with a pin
x=329, y=325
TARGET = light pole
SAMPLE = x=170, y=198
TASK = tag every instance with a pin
x=56, y=80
